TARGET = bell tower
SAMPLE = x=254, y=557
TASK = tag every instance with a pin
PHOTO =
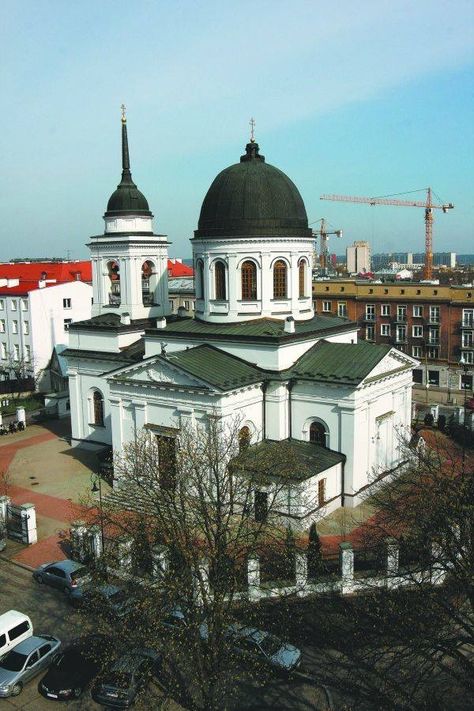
x=129, y=261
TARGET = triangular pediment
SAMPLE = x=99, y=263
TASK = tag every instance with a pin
x=394, y=361
x=158, y=371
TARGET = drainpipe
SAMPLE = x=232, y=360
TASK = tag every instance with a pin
x=264, y=387
x=290, y=385
x=343, y=482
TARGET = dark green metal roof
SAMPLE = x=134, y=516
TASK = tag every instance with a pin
x=339, y=362
x=130, y=354
x=258, y=330
x=127, y=199
x=287, y=459
x=252, y=198
x=216, y=367
x=111, y=322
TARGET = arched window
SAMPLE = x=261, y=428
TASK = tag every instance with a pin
x=279, y=280
x=98, y=408
x=302, y=278
x=317, y=433
x=249, y=281
x=113, y=269
x=199, y=280
x=148, y=272
x=219, y=277
x=244, y=437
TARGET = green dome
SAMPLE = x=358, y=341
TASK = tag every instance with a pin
x=253, y=198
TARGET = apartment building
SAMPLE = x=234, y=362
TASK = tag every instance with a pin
x=38, y=301
x=433, y=323
x=358, y=257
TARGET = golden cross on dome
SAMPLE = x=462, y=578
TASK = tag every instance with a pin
x=252, y=129
x=124, y=116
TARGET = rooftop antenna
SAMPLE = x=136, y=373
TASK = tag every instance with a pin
x=124, y=113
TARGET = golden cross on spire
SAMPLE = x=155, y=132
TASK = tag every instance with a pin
x=124, y=116
x=252, y=129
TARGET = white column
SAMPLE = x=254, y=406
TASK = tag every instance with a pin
x=76, y=403
x=253, y=578
x=234, y=285
x=116, y=424
x=28, y=520
x=346, y=559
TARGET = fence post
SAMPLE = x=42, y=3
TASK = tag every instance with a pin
x=253, y=578
x=392, y=549
x=95, y=542
x=159, y=556
x=346, y=562
x=301, y=569
x=202, y=581
x=77, y=532
x=28, y=523
x=4, y=502
x=125, y=554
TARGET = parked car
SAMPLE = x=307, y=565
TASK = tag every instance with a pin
x=73, y=668
x=25, y=661
x=119, y=686
x=109, y=600
x=14, y=628
x=66, y=575
x=175, y=620
x=267, y=647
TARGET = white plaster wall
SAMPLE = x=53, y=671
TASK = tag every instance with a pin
x=99, y=341
x=264, y=252
x=85, y=376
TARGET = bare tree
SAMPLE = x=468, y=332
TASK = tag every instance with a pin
x=191, y=496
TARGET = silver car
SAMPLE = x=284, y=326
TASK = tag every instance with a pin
x=66, y=575
x=25, y=661
x=265, y=646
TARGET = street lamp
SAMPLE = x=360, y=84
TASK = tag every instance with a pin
x=97, y=487
x=465, y=367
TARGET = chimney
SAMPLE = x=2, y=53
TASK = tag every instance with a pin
x=289, y=324
x=125, y=319
x=161, y=322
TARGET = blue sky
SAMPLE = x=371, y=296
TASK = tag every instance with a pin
x=366, y=98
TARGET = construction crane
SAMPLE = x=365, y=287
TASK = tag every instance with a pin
x=323, y=235
x=427, y=205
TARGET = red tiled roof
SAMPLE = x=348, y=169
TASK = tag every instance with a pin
x=29, y=273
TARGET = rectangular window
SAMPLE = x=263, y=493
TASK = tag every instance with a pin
x=3, y=348
x=468, y=318
x=18, y=630
x=416, y=351
x=66, y=303
x=417, y=311
x=341, y=308
x=16, y=352
x=167, y=461
x=433, y=336
x=432, y=352
x=468, y=357
x=326, y=306
x=466, y=381
x=26, y=328
x=370, y=312
x=24, y=304
x=434, y=314
x=321, y=492
x=13, y=305
x=171, y=305
x=27, y=354
x=467, y=339
x=186, y=305
x=66, y=322
x=370, y=333
x=433, y=377
x=14, y=326
x=2, y=325
x=417, y=331
x=385, y=329
x=261, y=506
x=418, y=376
x=401, y=313
x=385, y=310
x=401, y=334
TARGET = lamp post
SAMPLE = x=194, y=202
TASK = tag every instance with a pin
x=96, y=483
x=465, y=368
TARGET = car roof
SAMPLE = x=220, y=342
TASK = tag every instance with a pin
x=110, y=589
x=248, y=632
x=30, y=644
x=67, y=565
x=12, y=617
x=130, y=661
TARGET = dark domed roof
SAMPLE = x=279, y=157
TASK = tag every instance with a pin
x=252, y=198
x=127, y=199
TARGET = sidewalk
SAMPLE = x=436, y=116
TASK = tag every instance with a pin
x=43, y=469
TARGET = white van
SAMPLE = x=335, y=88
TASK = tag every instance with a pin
x=14, y=628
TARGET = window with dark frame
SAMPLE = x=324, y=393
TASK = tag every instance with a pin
x=317, y=433
x=280, y=280
x=219, y=276
x=98, y=406
x=249, y=281
x=321, y=492
x=302, y=278
x=261, y=506
x=167, y=460
x=244, y=437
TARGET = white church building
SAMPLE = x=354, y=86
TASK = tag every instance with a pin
x=253, y=349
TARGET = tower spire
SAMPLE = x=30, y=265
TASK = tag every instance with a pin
x=126, y=174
